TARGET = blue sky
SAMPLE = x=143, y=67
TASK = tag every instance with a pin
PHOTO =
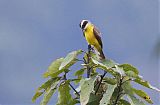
x=33, y=33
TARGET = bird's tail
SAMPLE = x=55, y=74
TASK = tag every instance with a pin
x=102, y=58
x=101, y=54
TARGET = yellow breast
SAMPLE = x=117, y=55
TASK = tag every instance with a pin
x=90, y=37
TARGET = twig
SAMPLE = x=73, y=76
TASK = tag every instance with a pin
x=102, y=76
x=119, y=91
x=65, y=78
x=74, y=89
x=88, y=60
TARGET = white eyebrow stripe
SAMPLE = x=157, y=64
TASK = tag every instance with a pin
x=82, y=23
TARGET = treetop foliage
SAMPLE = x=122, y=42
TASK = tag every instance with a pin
x=98, y=89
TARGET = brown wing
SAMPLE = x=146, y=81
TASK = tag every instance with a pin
x=97, y=35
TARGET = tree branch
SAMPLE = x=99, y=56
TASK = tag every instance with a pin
x=102, y=76
x=74, y=89
x=65, y=78
x=87, y=61
x=119, y=91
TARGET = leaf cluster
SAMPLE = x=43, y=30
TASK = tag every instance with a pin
x=98, y=89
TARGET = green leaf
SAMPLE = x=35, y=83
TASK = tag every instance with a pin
x=111, y=81
x=105, y=66
x=56, y=74
x=106, y=63
x=36, y=95
x=75, y=101
x=93, y=99
x=47, y=84
x=132, y=74
x=86, y=86
x=53, y=69
x=128, y=67
x=119, y=70
x=115, y=94
x=123, y=102
x=107, y=95
x=44, y=87
x=135, y=101
x=80, y=72
x=146, y=84
x=109, y=63
x=70, y=59
x=49, y=92
x=64, y=96
x=128, y=90
x=143, y=95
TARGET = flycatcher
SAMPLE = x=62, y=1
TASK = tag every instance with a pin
x=92, y=36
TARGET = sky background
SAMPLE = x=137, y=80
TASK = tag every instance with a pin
x=33, y=33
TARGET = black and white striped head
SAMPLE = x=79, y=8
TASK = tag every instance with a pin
x=83, y=24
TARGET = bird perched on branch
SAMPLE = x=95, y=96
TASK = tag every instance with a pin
x=92, y=36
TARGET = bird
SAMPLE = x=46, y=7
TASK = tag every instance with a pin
x=92, y=36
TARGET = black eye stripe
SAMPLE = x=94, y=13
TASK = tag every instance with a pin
x=84, y=24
